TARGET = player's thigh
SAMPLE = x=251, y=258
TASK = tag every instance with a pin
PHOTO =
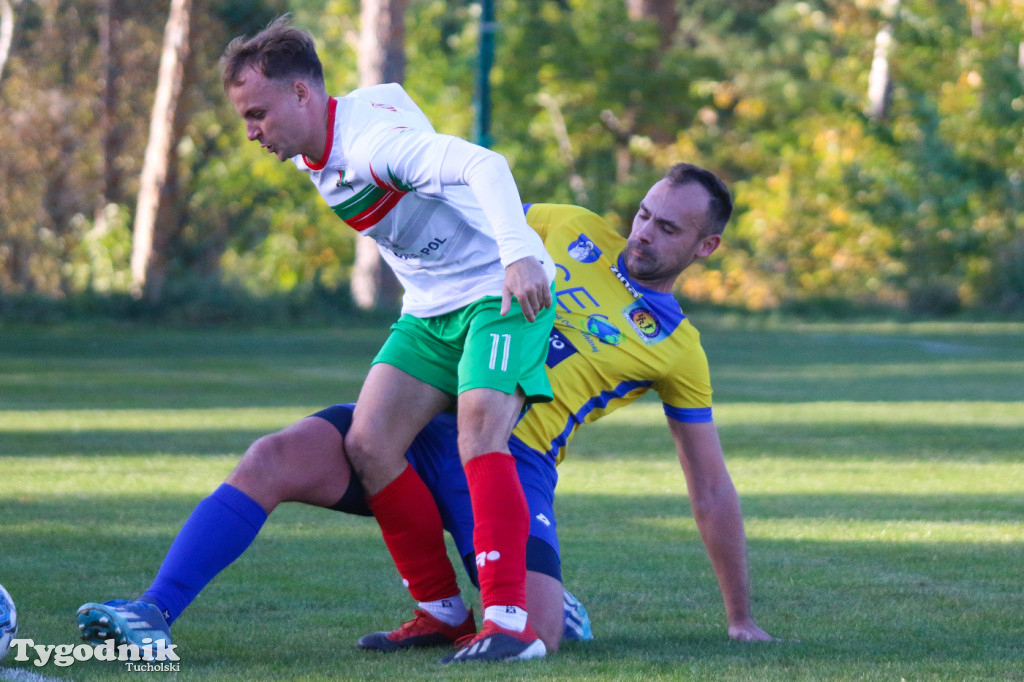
x=393, y=407
x=304, y=462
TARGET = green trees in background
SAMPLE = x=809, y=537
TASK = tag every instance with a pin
x=916, y=208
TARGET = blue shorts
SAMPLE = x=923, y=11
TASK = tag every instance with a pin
x=434, y=455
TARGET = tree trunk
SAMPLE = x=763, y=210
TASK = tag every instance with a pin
x=6, y=31
x=109, y=25
x=661, y=12
x=110, y=126
x=879, y=80
x=381, y=60
x=382, y=42
x=147, y=262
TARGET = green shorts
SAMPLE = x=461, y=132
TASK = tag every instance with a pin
x=474, y=347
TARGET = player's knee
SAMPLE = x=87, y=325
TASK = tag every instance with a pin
x=473, y=443
x=362, y=453
x=259, y=473
x=268, y=454
x=357, y=446
x=368, y=462
x=486, y=419
x=275, y=466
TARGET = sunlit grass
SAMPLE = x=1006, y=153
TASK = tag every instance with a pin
x=880, y=468
x=206, y=419
x=842, y=412
x=901, y=531
x=98, y=476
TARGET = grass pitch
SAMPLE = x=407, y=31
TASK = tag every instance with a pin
x=881, y=470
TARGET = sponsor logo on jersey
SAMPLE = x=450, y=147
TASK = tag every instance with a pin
x=625, y=281
x=584, y=250
x=559, y=348
x=433, y=245
x=605, y=331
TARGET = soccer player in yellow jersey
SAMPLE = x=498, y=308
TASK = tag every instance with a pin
x=619, y=332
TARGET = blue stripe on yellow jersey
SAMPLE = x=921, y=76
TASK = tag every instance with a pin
x=613, y=339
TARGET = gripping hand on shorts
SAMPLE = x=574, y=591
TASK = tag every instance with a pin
x=526, y=280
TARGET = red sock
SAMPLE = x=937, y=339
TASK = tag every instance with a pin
x=502, y=524
x=413, y=533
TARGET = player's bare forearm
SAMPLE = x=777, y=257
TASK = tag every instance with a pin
x=721, y=527
x=716, y=509
x=527, y=281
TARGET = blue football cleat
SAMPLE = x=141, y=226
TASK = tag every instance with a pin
x=126, y=622
x=577, y=621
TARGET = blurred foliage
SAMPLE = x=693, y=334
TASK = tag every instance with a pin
x=918, y=211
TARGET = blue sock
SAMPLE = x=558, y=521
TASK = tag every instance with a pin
x=220, y=528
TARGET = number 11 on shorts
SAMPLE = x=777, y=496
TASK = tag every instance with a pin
x=500, y=343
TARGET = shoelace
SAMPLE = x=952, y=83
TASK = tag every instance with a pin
x=415, y=624
x=464, y=641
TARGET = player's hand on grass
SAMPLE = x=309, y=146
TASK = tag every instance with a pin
x=526, y=280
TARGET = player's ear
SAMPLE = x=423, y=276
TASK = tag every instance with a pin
x=708, y=245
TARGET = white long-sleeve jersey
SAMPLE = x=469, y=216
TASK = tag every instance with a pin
x=445, y=213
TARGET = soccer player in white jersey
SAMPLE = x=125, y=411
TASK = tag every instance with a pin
x=476, y=312
x=619, y=333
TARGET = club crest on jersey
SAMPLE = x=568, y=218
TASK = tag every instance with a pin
x=584, y=250
x=645, y=322
x=605, y=331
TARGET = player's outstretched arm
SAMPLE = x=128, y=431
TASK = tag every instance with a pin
x=716, y=509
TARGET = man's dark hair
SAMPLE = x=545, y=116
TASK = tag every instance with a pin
x=279, y=51
x=720, y=204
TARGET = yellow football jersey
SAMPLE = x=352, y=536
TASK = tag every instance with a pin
x=613, y=339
